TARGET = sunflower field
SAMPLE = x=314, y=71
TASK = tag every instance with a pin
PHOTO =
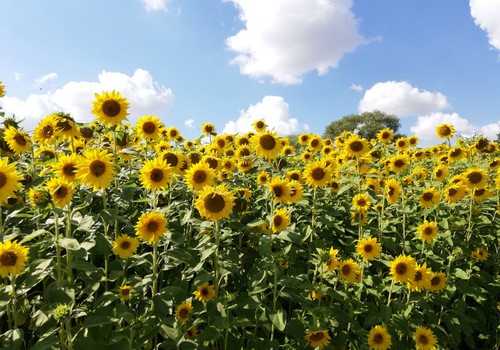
x=119, y=236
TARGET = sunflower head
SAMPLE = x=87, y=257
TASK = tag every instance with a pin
x=317, y=338
x=110, y=108
x=10, y=180
x=205, y=292
x=259, y=125
x=148, y=127
x=183, y=311
x=428, y=231
x=445, y=131
x=368, y=248
x=429, y=197
x=151, y=226
x=317, y=174
x=480, y=254
x=349, y=271
x=266, y=144
x=125, y=292
x=280, y=221
x=424, y=339
x=215, y=203
x=385, y=136
x=361, y=202
x=208, y=129
x=475, y=177
x=403, y=268
x=61, y=191
x=13, y=257
x=155, y=174
x=379, y=338
x=18, y=141
x=356, y=146
x=125, y=246
x=95, y=168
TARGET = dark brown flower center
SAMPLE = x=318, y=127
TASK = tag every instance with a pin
x=125, y=292
x=149, y=127
x=428, y=231
x=418, y=276
x=48, y=131
x=278, y=220
x=199, y=176
x=125, y=245
x=368, y=248
x=47, y=154
x=204, y=292
x=69, y=170
x=268, y=142
x=428, y=196
x=386, y=135
x=3, y=179
x=184, y=313
x=445, y=130
x=356, y=146
x=318, y=174
x=153, y=226
x=399, y=163
x=111, y=108
x=221, y=143
x=361, y=202
x=435, y=280
x=452, y=192
x=391, y=191
x=278, y=191
x=401, y=268
x=171, y=159
x=156, y=175
x=314, y=143
x=475, y=177
x=316, y=336
x=20, y=139
x=346, y=270
x=8, y=259
x=214, y=203
x=97, y=168
x=244, y=152
x=422, y=339
x=61, y=192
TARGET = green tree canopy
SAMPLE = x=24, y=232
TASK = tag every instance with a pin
x=366, y=124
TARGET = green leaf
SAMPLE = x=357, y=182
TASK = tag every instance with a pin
x=33, y=235
x=209, y=334
x=278, y=318
x=69, y=243
x=50, y=342
x=461, y=274
x=96, y=321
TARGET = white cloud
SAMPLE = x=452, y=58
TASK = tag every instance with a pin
x=44, y=78
x=276, y=113
x=155, y=5
x=425, y=128
x=356, y=87
x=285, y=39
x=144, y=94
x=486, y=14
x=402, y=99
x=189, y=123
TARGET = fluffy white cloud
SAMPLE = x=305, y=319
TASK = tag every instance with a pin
x=285, y=39
x=486, y=14
x=44, y=78
x=155, y=5
x=402, y=99
x=425, y=128
x=189, y=123
x=144, y=94
x=276, y=113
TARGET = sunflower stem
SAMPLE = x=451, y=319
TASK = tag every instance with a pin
x=471, y=208
x=69, y=336
x=155, y=270
x=58, y=250
x=1, y=223
x=68, y=252
x=275, y=292
x=216, y=258
x=13, y=299
x=390, y=293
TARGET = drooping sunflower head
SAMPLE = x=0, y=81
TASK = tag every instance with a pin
x=13, y=256
x=385, y=136
x=379, y=338
x=317, y=338
x=428, y=231
x=334, y=262
x=349, y=271
x=266, y=144
x=38, y=196
x=10, y=180
x=155, y=174
x=205, y=292
x=281, y=219
x=317, y=174
x=424, y=339
x=148, y=127
x=183, y=311
x=199, y=176
x=368, y=248
x=18, y=140
x=110, y=108
x=429, y=197
x=61, y=191
x=445, y=131
x=125, y=246
x=95, y=168
x=151, y=226
x=403, y=268
x=215, y=203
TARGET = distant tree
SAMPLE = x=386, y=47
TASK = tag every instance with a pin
x=293, y=140
x=366, y=124
x=498, y=137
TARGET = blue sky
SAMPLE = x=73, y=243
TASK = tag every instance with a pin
x=300, y=64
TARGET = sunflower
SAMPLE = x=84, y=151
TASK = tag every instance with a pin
x=334, y=262
x=480, y=254
x=356, y=146
x=475, y=178
x=95, y=169
x=151, y=226
x=61, y=191
x=18, y=141
x=219, y=143
x=65, y=167
x=304, y=139
x=315, y=143
x=445, y=131
x=441, y=172
x=259, y=125
x=148, y=127
x=125, y=292
x=429, y=197
x=403, y=268
x=45, y=132
x=306, y=156
x=45, y=153
x=427, y=231
x=280, y=189
x=38, y=196
x=205, y=292
x=9, y=180
x=110, y=108
x=424, y=339
x=349, y=271
x=77, y=146
x=215, y=203
x=296, y=191
x=294, y=174
x=327, y=150
x=199, y=175
x=454, y=193
x=245, y=165
x=266, y=145
x=413, y=141
x=183, y=311
x=125, y=246
x=281, y=219
x=316, y=174
x=359, y=217
x=422, y=278
x=208, y=129
x=13, y=256
x=379, y=338
x=263, y=178
x=2, y=89
x=393, y=190
x=361, y=202
x=455, y=154
x=438, y=282
x=368, y=248
x=175, y=159
x=287, y=150
x=399, y=162
x=402, y=143
x=481, y=194
x=317, y=338
x=385, y=136
x=155, y=174
x=191, y=333
x=420, y=173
